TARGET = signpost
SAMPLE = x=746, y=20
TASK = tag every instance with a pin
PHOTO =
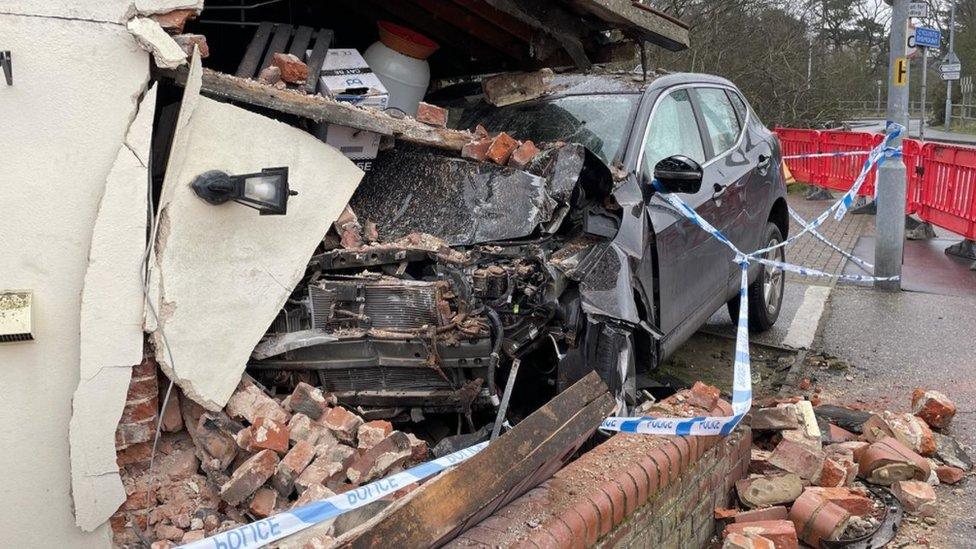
x=925, y=38
x=918, y=9
x=953, y=69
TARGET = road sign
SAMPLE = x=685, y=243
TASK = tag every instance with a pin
x=950, y=76
x=950, y=67
x=910, y=50
x=926, y=37
x=918, y=9
x=950, y=58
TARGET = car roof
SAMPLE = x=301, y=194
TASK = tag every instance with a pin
x=602, y=81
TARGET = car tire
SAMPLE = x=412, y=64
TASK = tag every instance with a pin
x=766, y=292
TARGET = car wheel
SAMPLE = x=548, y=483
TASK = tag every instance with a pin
x=766, y=292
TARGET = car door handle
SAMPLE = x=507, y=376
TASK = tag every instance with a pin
x=719, y=191
x=763, y=161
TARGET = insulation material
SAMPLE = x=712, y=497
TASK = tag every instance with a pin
x=221, y=274
x=111, y=325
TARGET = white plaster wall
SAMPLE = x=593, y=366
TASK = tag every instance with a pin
x=76, y=84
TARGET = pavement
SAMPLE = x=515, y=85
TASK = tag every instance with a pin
x=895, y=342
x=931, y=134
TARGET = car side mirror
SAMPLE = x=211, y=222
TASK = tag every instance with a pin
x=679, y=174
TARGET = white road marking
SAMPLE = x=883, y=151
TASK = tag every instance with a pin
x=803, y=328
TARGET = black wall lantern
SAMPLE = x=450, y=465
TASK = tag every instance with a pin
x=266, y=191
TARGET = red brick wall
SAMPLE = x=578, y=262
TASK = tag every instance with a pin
x=632, y=490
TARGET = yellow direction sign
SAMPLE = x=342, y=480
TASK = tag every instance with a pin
x=901, y=71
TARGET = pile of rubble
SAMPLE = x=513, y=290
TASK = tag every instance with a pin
x=834, y=474
x=261, y=455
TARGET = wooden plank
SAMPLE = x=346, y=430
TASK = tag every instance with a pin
x=322, y=42
x=300, y=44
x=252, y=56
x=458, y=498
x=278, y=42
x=322, y=109
x=635, y=19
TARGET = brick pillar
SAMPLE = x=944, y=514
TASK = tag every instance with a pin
x=133, y=443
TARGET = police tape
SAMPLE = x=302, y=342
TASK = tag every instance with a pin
x=276, y=527
x=868, y=267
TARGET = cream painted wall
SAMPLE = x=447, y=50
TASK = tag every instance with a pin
x=76, y=83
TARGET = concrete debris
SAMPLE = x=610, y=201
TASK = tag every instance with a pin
x=769, y=490
x=774, y=419
x=933, y=407
x=948, y=451
x=269, y=75
x=166, y=52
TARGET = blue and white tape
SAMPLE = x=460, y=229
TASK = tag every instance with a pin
x=839, y=154
x=282, y=525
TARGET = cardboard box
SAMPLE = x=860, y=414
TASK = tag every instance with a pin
x=346, y=77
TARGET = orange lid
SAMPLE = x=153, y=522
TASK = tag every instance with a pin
x=406, y=41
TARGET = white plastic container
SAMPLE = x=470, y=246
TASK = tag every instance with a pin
x=405, y=77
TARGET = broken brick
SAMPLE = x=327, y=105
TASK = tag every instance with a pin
x=293, y=69
x=837, y=434
x=838, y=470
x=915, y=495
x=171, y=420
x=703, y=396
x=720, y=513
x=818, y=519
x=300, y=427
x=476, y=150
x=193, y=535
x=797, y=458
x=188, y=41
x=769, y=490
x=514, y=87
x=501, y=148
x=315, y=492
x=432, y=115
x=774, y=419
x=174, y=21
x=269, y=75
x=781, y=532
x=168, y=531
x=213, y=441
x=418, y=449
x=736, y=540
x=317, y=472
x=376, y=461
x=912, y=432
x=948, y=474
x=523, y=155
x=888, y=461
x=777, y=512
x=263, y=503
x=372, y=432
x=856, y=502
x=875, y=429
x=933, y=407
x=342, y=423
x=268, y=434
x=855, y=447
x=249, y=477
x=292, y=465
x=250, y=402
x=308, y=400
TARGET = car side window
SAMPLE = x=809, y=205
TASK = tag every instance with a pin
x=740, y=106
x=672, y=130
x=720, y=119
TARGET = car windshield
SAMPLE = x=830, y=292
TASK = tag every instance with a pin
x=598, y=122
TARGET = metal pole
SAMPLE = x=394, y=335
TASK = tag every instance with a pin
x=890, y=219
x=921, y=108
x=952, y=51
x=877, y=109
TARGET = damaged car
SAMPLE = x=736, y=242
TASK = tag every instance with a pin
x=445, y=274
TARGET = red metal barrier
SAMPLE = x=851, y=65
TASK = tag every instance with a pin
x=805, y=170
x=839, y=173
x=948, y=189
x=911, y=152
